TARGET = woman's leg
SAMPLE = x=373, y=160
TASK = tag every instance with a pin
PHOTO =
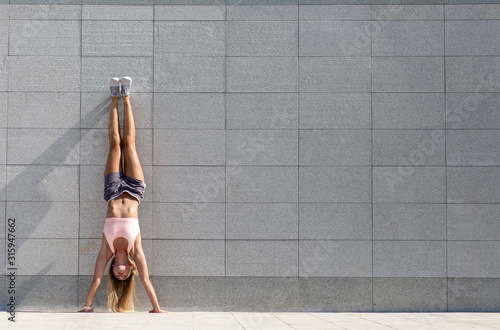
x=114, y=163
x=133, y=167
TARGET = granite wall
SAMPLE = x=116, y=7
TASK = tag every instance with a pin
x=300, y=155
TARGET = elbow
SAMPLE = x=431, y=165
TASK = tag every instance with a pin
x=145, y=281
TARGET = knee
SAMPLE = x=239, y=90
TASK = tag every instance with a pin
x=115, y=142
x=128, y=142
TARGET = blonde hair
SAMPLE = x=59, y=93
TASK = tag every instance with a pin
x=121, y=294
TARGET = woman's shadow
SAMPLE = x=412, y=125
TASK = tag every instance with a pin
x=55, y=157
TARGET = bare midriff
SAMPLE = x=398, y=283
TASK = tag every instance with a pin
x=123, y=206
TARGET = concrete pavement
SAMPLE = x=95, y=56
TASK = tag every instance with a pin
x=252, y=321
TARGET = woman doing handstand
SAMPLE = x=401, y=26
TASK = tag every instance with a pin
x=123, y=190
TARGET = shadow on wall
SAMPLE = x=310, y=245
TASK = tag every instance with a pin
x=57, y=157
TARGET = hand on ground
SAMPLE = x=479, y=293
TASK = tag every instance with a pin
x=157, y=311
x=87, y=310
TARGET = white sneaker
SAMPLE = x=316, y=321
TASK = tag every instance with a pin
x=114, y=86
x=126, y=85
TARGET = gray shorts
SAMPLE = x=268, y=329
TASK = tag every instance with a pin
x=117, y=183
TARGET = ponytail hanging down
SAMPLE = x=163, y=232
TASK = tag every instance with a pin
x=121, y=294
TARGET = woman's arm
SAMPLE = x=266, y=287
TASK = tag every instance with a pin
x=100, y=266
x=142, y=268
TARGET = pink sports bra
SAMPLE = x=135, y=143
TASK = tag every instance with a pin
x=121, y=227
